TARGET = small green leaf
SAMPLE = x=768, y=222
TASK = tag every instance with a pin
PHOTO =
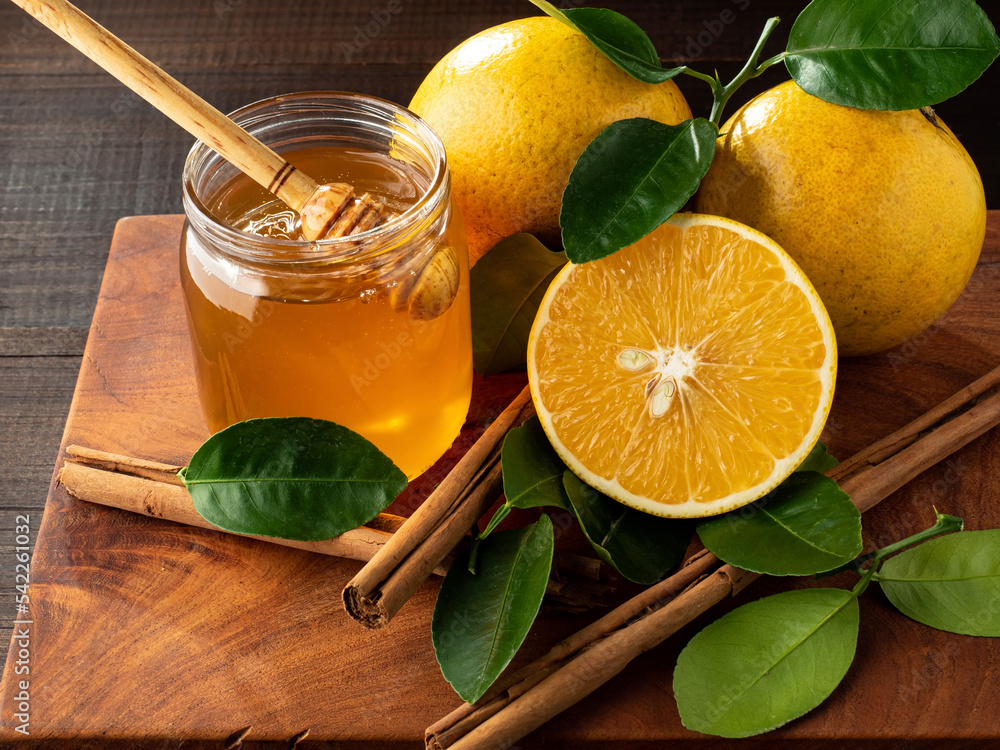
x=633, y=177
x=818, y=460
x=532, y=470
x=481, y=620
x=293, y=478
x=641, y=547
x=766, y=663
x=904, y=54
x=807, y=525
x=507, y=286
x=618, y=37
x=950, y=583
x=624, y=43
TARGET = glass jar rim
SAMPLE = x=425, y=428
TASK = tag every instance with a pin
x=377, y=240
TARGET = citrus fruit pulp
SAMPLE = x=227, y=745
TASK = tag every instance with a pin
x=689, y=373
x=516, y=105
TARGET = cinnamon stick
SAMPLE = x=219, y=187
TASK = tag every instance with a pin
x=465, y=718
x=886, y=465
x=392, y=576
x=585, y=661
x=154, y=489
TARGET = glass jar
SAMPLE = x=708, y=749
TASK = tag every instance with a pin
x=356, y=330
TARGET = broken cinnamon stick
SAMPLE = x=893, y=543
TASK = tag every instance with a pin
x=578, y=666
x=388, y=581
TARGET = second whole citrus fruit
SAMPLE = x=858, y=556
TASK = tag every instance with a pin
x=884, y=211
x=516, y=105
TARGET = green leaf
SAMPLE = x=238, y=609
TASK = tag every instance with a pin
x=633, y=177
x=618, y=37
x=641, y=547
x=807, y=525
x=623, y=42
x=481, y=620
x=507, y=286
x=818, y=460
x=766, y=663
x=950, y=583
x=532, y=470
x=294, y=478
x=904, y=54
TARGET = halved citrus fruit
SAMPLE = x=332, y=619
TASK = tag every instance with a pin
x=689, y=373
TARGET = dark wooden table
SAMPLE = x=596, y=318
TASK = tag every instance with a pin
x=78, y=151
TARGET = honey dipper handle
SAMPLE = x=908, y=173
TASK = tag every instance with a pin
x=174, y=100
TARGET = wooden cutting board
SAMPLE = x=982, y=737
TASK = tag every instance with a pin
x=144, y=632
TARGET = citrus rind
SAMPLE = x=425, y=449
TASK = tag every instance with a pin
x=674, y=367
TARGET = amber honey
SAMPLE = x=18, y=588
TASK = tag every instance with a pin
x=281, y=327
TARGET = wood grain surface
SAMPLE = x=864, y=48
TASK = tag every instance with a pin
x=143, y=631
x=78, y=152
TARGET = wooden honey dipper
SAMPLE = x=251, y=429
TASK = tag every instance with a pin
x=326, y=211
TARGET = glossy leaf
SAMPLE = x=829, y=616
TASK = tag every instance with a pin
x=481, y=620
x=904, y=54
x=294, y=478
x=807, y=525
x=633, y=177
x=950, y=583
x=642, y=547
x=532, y=471
x=619, y=38
x=767, y=662
x=507, y=287
x=818, y=460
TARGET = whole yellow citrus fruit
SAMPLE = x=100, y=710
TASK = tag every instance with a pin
x=884, y=211
x=516, y=105
x=689, y=373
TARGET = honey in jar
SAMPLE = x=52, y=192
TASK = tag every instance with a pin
x=371, y=331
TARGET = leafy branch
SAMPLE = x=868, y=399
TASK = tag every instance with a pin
x=891, y=56
x=742, y=675
x=752, y=69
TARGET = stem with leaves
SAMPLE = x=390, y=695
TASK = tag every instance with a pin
x=875, y=55
x=752, y=69
x=766, y=668
x=945, y=524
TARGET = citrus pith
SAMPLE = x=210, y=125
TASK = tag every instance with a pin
x=687, y=374
x=515, y=106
